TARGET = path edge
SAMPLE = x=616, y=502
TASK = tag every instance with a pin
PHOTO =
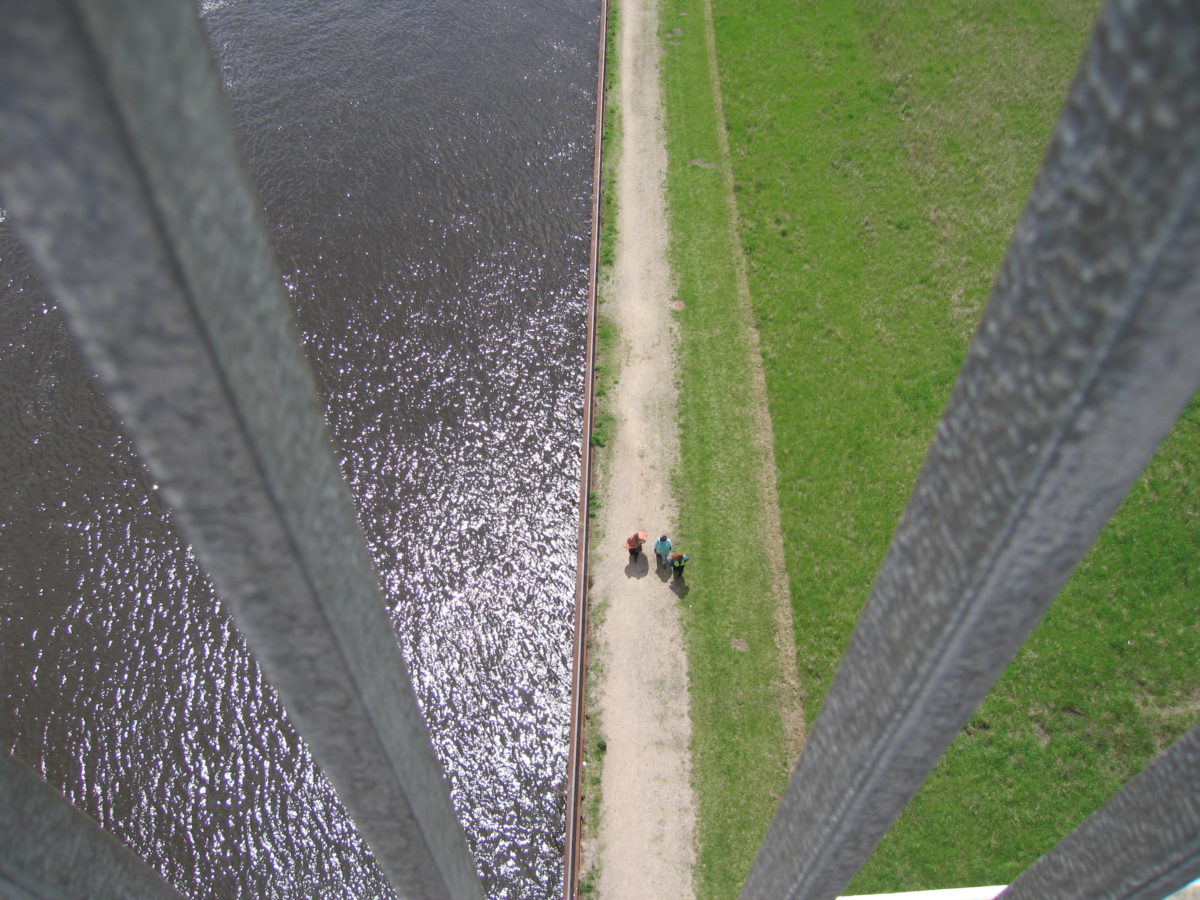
x=574, y=812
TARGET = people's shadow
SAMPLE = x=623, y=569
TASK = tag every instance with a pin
x=639, y=568
x=664, y=573
x=679, y=586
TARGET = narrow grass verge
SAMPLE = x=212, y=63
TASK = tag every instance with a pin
x=605, y=372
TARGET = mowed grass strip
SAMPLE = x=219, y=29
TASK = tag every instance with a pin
x=882, y=154
x=739, y=758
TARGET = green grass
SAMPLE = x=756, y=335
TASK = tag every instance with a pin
x=607, y=336
x=604, y=365
x=1105, y=682
x=882, y=152
x=880, y=180
x=1103, y=685
x=739, y=761
x=604, y=372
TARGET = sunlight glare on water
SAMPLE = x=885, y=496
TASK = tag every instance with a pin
x=425, y=173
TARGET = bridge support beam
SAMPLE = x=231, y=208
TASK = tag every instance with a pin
x=121, y=170
x=1085, y=357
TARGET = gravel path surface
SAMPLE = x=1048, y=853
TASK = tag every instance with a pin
x=646, y=838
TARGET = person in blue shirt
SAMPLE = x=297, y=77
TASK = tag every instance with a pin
x=662, y=551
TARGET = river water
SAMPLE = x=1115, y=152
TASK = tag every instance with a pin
x=425, y=168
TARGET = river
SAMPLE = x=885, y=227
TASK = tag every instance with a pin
x=425, y=169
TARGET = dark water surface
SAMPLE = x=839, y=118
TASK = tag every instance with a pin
x=425, y=169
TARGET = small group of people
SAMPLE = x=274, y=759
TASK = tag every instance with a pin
x=666, y=557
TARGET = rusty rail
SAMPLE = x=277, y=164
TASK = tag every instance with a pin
x=579, y=666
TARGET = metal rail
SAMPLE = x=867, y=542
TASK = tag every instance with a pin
x=49, y=850
x=574, y=815
x=120, y=167
x=1143, y=844
x=1084, y=359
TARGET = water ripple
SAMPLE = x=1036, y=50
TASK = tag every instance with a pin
x=425, y=172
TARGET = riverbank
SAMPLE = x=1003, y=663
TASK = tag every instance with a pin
x=877, y=160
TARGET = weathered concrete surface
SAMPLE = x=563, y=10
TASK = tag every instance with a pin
x=49, y=850
x=1085, y=357
x=120, y=168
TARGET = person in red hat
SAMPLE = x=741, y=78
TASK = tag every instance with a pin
x=633, y=544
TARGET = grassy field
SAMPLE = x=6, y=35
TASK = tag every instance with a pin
x=881, y=154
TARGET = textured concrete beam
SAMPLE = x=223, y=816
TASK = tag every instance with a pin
x=987, y=892
x=1143, y=844
x=1085, y=357
x=120, y=168
x=49, y=850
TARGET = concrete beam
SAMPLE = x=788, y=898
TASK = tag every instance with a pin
x=1143, y=844
x=1084, y=359
x=49, y=850
x=971, y=893
x=121, y=171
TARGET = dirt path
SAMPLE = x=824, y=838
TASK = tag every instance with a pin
x=645, y=845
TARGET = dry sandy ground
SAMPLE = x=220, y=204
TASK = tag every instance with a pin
x=645, y=846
